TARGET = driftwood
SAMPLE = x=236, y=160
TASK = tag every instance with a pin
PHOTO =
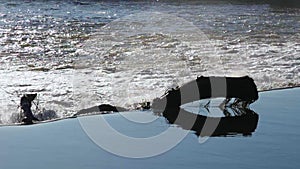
x=243, y=89
x=25, y=103
x=104, y=108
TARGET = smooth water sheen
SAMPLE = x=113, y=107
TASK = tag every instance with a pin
x=64, y=144
x=80, y=54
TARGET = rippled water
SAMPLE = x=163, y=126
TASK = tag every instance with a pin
x=80, y=54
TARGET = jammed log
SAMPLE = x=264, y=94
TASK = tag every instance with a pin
x=241, y=88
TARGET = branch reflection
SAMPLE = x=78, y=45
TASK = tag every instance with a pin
x=236, y=121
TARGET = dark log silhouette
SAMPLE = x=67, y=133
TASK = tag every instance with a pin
x=104, y=108
x=241, y=88
x=26, y=102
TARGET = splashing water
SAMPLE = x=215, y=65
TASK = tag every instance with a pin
x=138, y=57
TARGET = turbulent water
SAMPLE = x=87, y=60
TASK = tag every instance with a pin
x=80, y=54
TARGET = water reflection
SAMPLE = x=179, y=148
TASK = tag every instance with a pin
x=236, y=121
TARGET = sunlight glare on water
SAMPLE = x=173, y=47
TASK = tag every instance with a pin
x=142, y=55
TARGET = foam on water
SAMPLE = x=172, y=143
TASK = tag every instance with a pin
x=141, y=55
